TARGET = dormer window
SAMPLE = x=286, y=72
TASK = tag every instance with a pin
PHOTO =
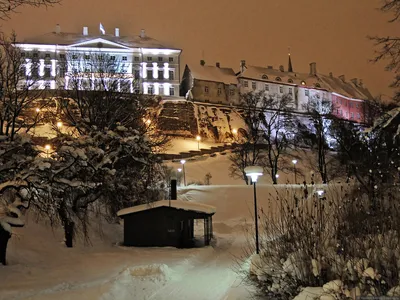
x=303, y=83
x=278, y=79
x=264, y=77
x=290, y=80
x=317, y=85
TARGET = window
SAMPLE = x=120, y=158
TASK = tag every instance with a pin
x=149, y=73
x=35, y=55
x=160, y=58
x=232, y=92
x=307, y=92
x=352, y=115
x=303, y=83
x=317, y=85
x=358, y=116
x=87, y=56
x=149, y=58
x=150, y=90
x=137, y=74
x=281, y=89
x=62, y=56
x=74, y=56
x=171, y=75
x=62, y=71
x=246, y=83
x=87, y=70
x=357, y=105
x=136, y=58
x=290, y=91
x=22, y=54
x=160, y=74
x=264, y=77
x=278, y=79
x=125, y=58
x=290, y=80
x=266, y=87
x=47, y=55
x=171, y=59
x=171, y=91
x=219, y=91
x=337, y=111
x=351, y=104
x=47, y=72
x=206, y=89
x=47, y=85
x=253, y=85
x=112, y=57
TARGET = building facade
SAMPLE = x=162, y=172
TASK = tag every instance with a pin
x=210, y=84
x=142, y=63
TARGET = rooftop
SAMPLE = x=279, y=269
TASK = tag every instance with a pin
x=211, y=73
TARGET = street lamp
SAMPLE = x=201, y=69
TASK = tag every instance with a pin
x=47, y=147
x=59, y=125
x=253, y=172
x=184, y=173
x=277, y=177
x=234, y=131
x=294, y=161
x=198, y=138
x=37, y=110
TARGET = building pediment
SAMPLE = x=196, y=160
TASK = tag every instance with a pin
x=98, y=43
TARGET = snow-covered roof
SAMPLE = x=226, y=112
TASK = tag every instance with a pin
x=67, y=38
x=319, y=81
x=178, y=204
x=211, y=73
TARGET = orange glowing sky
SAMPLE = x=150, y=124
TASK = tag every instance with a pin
x=329, y=32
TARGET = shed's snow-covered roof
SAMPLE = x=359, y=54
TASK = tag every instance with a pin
x=67, y=38
x=178, y=204
x=211, y=73
x=320, y=81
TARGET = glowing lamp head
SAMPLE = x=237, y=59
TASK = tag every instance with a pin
x=183, y=161
x=254, y=172
x=276, y=175
x=294, y=161
x=59, y=124
x=234, y=131
x=179, y=170
x=320, y=192
x=198, y=138
x=47, y=147
x=37, y=110
x=148, y=121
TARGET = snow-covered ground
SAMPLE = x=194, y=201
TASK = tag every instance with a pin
x=40, y=267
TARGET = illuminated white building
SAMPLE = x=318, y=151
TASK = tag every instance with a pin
x=150, y=67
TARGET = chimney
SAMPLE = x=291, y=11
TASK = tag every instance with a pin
x=142, y=33
x=355, y=81
x=330, y=74
x=270, y=67
x=281, y=68
x=360, y=82
x=117, y=32
x=85, y=31
x=342, y=78
x=242, y=66
x=313, y=68
x=58, y=29
x=218, y=65
x=202, y=62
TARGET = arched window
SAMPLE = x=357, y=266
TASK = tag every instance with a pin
x=290, y=80
x=278, y=79
x=317, y=85
x=303, y=83
x=264, y=77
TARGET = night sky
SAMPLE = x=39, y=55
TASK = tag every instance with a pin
x=329, y=32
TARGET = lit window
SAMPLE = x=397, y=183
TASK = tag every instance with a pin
x=358, y=116
x=124, y=58
x=246, y=83
x=303, y=83
x=160, y=58
x=253, y=85
x=149, y=58
x=171, y=59
x=171, y=75
x=206, y=89
x=266, y=87
x=171, y=91
x=281, y=89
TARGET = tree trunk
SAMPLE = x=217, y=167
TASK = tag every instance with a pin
x=4, y=237
x=69, y=228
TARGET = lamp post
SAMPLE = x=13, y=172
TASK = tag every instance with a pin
x=184, y=173
x=198, y=138
x=277, y=177
x=294, y=161
x=179, y=177
x=253, y=172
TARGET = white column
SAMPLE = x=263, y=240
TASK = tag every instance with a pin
x=156, y=88
x=166, y=88
x=166, y=72
x=145, y=88
x=144, y=70
x=53, y=67
x=92, y=82
x=155, y=70
x=53, y=84
x=66, y=82
x=41, y=67
x=131, y=84
x=28, y=67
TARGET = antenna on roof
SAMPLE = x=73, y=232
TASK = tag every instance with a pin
x=290, y=67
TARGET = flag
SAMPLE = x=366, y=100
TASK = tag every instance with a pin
x=102, y=29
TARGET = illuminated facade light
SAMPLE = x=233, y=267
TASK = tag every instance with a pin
x=144, y=70
x=166, y=71
x=156, y=88
x=41, y=67
x=28, y=67
x=145, y=88
x=53, y=67
x=155, y=70
x=166, y=88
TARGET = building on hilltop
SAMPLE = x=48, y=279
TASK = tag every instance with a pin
x=143, y=63
x=210, y=84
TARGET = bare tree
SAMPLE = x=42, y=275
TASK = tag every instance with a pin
x=20, y=90
x=8, y=7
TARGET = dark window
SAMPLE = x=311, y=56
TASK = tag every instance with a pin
x=246, y=83
x=22, y=54
x=47, y=72
x=124, y=58
x=112, y=57
x=317, y=85
x=357, y=105
x=62, y=56
x=87, y=56
x=171, y=91
x=149, y=58
x=171, y=59
x=22, y=71
x=74, y=56
x=306, y=92
x=137, y=74
x=47, y=55
x=290, y=80
x=171, y=75
x=150, y=90
x=219, y=91
x=47, y=85
x=352, y=115
x=266, y=87
x=35, y=55
x=264, y=77
x=160, y=58
x=278, y=79
x=290, y=91
x=35, y=72
x=87, y=70
x=149, y=73
x=160, y=74
x=136, y=58
x=281, y=89
x=351, y=104
x=253, y=85
x=206, y=89
x=232, y=92
x=62, y=71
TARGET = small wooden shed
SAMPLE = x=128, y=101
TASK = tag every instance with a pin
x=165, y=223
